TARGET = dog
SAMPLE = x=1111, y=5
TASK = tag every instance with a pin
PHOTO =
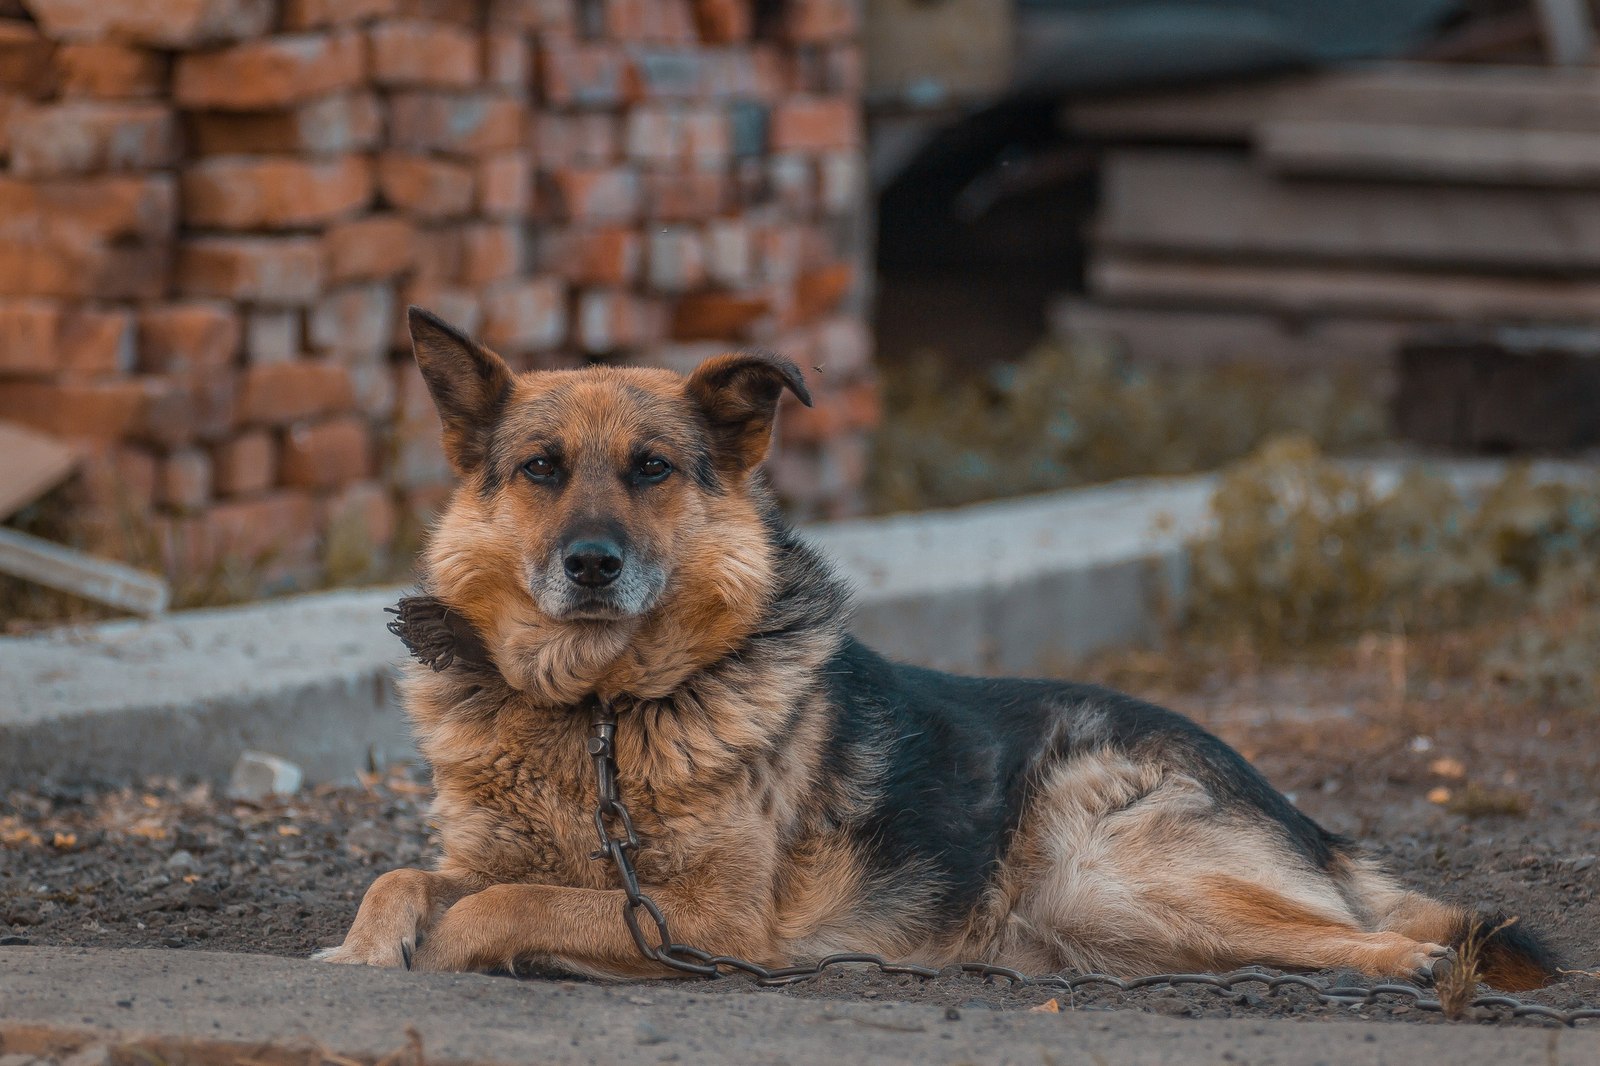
x=796, y=794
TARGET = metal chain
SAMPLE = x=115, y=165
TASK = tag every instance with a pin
x=696, y=961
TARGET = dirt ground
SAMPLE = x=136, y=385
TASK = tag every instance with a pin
x=1466, y=791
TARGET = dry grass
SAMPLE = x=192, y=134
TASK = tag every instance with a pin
x=1073, y=416
x=1458, y=985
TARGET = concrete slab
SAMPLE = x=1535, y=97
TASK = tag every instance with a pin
x=1015, y=587
x=253, y=1000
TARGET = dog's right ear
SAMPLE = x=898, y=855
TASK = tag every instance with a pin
x=469, y=384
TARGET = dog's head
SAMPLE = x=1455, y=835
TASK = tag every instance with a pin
x=599, y=508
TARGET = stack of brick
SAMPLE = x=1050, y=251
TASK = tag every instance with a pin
x=212, y=213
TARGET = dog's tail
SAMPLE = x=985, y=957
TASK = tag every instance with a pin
x=1508, y=955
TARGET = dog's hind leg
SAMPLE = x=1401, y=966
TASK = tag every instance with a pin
x=397, y=909
x=1131, y=868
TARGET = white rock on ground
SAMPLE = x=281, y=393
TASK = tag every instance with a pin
x=258, y=775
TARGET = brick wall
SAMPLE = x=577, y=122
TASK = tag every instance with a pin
x=213, y=212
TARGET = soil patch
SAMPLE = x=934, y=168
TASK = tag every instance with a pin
x=1465, y=791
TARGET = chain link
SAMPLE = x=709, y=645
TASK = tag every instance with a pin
x=684, y=958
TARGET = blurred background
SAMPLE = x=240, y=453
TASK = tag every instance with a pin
x=1020, y=245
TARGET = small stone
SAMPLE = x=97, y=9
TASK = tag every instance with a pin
x=18, y=1060
x=183, y=861
x=952, y=1014
x=258, y=775
x=12, y=941
x=1582, y=863
x=648, y=1035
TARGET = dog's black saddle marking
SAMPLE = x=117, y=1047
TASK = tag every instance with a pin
x=436, y=636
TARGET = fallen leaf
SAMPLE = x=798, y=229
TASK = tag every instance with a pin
x=65, y=840
x=1440, y=795
x=1049, y=1006
x=1447, y=767
x=288, y=830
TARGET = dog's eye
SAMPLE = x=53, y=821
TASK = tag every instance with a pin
x=654, y=469
x=539, y=468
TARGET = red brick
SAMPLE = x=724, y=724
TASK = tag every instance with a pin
x=86, y=410
x=462, y=307
x=184, y=481
x=319, y=14
x=34, y=268
x=272, y=270
x=757, y=71
x=507, y=60
x=590, y=195
x=585, y=139
x=820, y=20
x=82, y=137
x=272, y=336
x=377, y=246
x=581, y=74
x=490, y=252
x=718, y=315
x=28, y=332
x=362, y=519
x=654, y=134
x=327, y=454
x=842, y=345
x=456, y=123
x=279, y=529
x=118, y=483
x=852, y=408
x=843, y=182
x=728, y=252
x=779, y=253
x=836, y=69
x=723, y=21
x=241, y=193
x=440, y=251
x=524, y=315
x=356, y=321
x=815, y=124
x=96, y=343
x=83, y=211
x=677, y=259
x=348, y=122
x=372, y=384
x=429, y=188
x=25, y=59
x=105, y=70
x=163, y=23
x=610, y=255
x=792, y=182
x=554, y=17
x=406, y=52
x=459, y=12
x=819, y=291
x=658, y=73
x=270, y=73
x=185, y=407
x=650, y=21
x=277, y=393
x=505, y=184
x=245, y=465
x=611, y=320
x=684, y=197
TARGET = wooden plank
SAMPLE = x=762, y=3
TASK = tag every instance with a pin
x=1388, y=152
x=1221, y=338
x=1290, y=290
x=956, y=49
x=1218, y=205
x=33, y=464
x=40, y=561
x=1420, y=94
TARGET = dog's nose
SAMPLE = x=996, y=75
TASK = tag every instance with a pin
x=593, y=563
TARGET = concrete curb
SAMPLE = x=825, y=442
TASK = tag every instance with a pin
x=57, y=998
x=1014, y=587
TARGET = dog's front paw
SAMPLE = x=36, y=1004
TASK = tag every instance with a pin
x=395, y=955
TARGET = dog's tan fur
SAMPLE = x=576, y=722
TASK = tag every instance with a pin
x=1116, y=864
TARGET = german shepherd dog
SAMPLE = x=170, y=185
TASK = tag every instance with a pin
x=797, y=794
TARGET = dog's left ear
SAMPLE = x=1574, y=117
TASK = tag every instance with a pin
x=738, y=394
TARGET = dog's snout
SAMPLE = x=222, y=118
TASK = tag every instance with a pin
x=593, y=563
